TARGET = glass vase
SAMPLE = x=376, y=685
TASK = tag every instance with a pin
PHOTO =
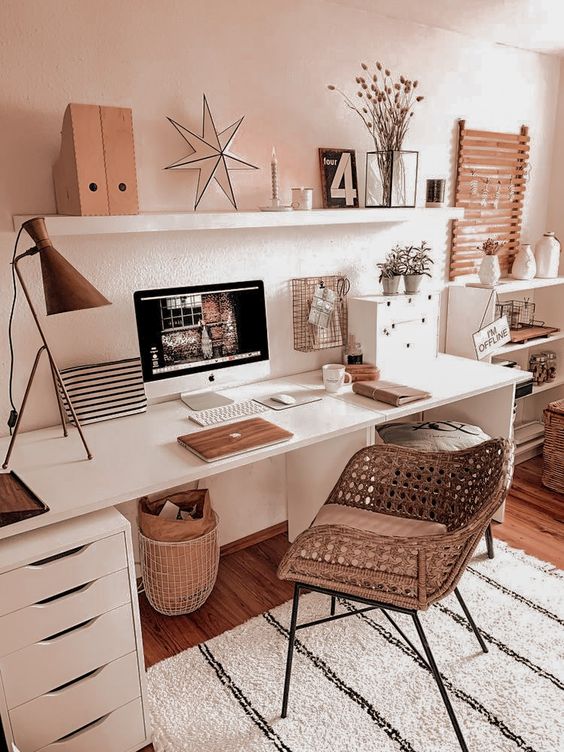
x=391, y=178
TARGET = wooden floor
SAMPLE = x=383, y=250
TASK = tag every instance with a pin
x=247, y=584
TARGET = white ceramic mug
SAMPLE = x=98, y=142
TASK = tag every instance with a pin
x=334, y=376
x=302, y=199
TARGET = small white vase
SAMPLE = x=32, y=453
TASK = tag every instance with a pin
x=489, y=271
x=524, y=264
x=547, y=253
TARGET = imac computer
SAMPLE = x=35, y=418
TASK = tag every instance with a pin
x=194, y=338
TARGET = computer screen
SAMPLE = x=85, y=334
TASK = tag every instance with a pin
x=188, y=330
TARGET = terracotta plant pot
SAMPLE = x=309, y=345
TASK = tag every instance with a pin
x=390, y=285
x=412, y=282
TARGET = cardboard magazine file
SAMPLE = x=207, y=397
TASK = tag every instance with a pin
x=177, y=531
x=95, y=172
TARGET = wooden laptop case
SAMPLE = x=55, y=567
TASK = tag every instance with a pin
x=233, y=438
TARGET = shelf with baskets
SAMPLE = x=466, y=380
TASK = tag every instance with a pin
x=526, y=304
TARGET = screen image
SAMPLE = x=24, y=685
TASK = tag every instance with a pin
x=185, y=330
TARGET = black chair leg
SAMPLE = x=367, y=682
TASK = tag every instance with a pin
x=439, y=681
x=489, y=541
x=333, y=605
x=468, y=615
x=291, y=640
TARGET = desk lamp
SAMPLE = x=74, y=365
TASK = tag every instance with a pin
x=65, y=290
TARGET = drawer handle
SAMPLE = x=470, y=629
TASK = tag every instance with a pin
x=52, y=559
x=83, y=729
x=83, y=626
x=65, y=594
x=73, y=682
x=408, y=321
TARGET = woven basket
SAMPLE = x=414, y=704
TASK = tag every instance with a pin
x=553, y=473
x=178, y=577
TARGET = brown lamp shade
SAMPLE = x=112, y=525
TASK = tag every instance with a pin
x=65, y=288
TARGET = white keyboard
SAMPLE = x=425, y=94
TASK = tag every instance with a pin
x=216, y=415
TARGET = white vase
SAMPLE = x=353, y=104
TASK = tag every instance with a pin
x=547, y=253
x=489, y=271
x=524, y=264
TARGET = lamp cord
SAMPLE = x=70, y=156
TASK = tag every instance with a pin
x=13, y=411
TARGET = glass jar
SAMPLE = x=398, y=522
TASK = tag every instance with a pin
x=538, y=366
x=551, y=364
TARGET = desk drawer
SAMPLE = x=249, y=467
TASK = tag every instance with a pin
x=119, y=731
x=407, y=339
x=408, y=308
x=42, y=667
x=33, y=583
x=56, y=714
x=34, y=623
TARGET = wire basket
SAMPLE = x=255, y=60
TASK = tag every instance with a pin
x=309, y=337
x=520, y=313
x=178, y=577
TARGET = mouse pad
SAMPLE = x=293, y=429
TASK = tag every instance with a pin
x=302, y=397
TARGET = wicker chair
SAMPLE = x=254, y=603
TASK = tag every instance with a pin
x=396, y=533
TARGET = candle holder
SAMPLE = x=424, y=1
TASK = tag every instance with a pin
x=275, y=205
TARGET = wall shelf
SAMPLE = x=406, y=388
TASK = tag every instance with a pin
x=549, y=385
x=58, y=225
x=507, y=286
x=513, y=347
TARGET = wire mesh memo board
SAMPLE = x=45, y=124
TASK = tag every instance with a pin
x=492, y=174
x=308, y=337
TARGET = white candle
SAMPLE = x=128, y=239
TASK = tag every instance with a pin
x=274, y=171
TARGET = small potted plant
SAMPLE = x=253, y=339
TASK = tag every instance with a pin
x=416, y=265
x=490, y=271
x=391, y=271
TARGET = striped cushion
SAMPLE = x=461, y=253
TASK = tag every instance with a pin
x=103, y=391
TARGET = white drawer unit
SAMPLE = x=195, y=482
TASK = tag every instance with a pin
x=396, y=328
x=72, y=674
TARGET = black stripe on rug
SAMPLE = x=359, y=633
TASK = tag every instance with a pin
x=242, y=699
x=502, y=646
x=516, y=596
x=490, y=717
x=352, y=694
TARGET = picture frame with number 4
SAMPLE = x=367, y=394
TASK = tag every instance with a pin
x=339, y=183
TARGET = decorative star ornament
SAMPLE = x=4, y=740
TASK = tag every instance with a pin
x=210, y=155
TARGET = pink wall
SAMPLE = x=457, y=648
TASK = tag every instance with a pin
x=270, y=61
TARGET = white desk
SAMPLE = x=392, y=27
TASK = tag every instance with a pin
x=139, y=454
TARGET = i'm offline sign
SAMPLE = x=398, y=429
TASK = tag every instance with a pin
x=491, y=337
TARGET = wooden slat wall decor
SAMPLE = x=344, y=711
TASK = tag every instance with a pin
x=490, y=184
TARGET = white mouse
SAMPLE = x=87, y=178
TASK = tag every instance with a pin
x=284, y=399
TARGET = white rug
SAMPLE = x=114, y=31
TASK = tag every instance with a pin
x=357, y=688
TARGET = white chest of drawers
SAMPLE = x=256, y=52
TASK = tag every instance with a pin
x=396, y=328
x=72, y=676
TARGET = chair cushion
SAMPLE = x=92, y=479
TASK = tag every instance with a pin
x=375, y=522
x=433, y=436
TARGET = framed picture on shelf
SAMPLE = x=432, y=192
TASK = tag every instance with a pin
x=339, y=185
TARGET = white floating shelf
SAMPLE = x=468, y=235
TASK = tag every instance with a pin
x=513, y=347
x=165, y=222
x=527, y=432
x=507, y=286
x=549, y=385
